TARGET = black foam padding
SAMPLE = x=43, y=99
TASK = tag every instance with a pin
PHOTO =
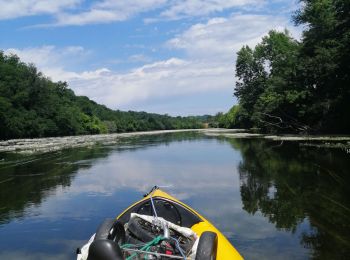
x=104, y=249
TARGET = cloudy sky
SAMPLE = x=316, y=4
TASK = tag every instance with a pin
x=163, y=56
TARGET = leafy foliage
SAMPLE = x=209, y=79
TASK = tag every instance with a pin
x=289, y=86
x=31, y=105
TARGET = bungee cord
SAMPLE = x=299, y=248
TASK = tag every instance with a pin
x=145, y=247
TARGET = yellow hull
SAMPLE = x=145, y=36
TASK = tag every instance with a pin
x=225, y=250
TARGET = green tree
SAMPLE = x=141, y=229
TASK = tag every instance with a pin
x=251, y=81
x=31, y=105
x=289, y=86
x=325, y=60
x=266, y=87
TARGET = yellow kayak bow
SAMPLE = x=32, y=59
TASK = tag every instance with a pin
x=184, y=216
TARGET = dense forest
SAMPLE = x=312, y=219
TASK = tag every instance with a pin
x=290, y=86
x=31, y=105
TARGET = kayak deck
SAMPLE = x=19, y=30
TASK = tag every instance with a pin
x=180, y=214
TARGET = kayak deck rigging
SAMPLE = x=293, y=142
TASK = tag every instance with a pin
x=158, y=227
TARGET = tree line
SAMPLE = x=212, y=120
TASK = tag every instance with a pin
x=31, y=105
x=290, y=86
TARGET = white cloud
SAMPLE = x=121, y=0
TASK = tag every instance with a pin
x=186, y=8
x=155, y=80
x=52, y=61
x=107, y=11
x=208, y=65
x=120, y=10
x=90, y=17
x=18, y=8
x=139, y=58
x=166, y=78
x=75, y=12
x=79, y=12
x=47, y=55
x=220, y=38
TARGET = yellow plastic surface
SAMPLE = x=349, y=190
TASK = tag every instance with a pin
x=225, y=250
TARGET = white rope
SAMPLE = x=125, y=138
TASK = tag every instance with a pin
x=157, y=222
x=154, y=208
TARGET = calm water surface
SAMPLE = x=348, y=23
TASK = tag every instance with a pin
x=272, y=200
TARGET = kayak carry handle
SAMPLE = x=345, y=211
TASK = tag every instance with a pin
x=153, y=189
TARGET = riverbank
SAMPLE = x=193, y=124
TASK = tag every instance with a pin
x=320, y=141
x=43, y=145
x=50, y=144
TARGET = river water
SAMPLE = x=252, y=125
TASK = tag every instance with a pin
x=272, y=199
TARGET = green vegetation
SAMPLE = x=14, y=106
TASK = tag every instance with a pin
x=229, y=119
x=289, y=86
x=31, y=105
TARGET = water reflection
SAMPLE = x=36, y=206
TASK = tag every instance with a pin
x=288, y=184
x=26, y=181
x=271, y=200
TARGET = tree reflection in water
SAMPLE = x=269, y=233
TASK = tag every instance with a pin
x=289, y=183
x=27, y=180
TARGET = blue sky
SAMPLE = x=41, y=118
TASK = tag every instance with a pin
x=164, y=56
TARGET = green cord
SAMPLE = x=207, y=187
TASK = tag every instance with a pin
x=146, y=247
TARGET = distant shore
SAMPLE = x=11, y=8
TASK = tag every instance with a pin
x=49, y=144
x=243, y=133
x=320, y=141
x=43, y=145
